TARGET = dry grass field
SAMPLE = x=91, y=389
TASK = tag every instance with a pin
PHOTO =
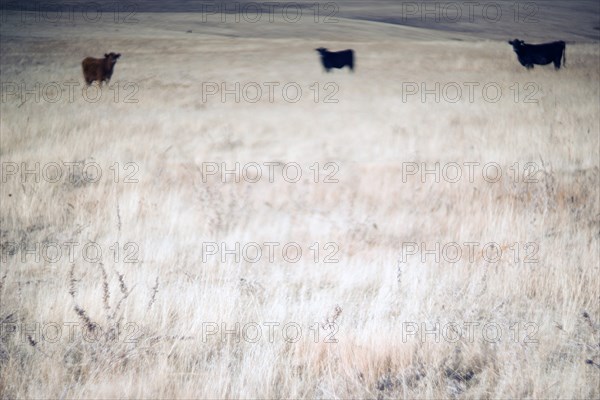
x=122, y=279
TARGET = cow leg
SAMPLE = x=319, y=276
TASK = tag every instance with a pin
x=529, y=66
x=557, y=64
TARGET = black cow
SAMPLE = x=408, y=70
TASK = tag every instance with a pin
x=336, y=59
x=99, y=69
x=541, y=54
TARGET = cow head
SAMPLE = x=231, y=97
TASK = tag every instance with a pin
x=321, y=50
x=516, y=44
x=112, y=57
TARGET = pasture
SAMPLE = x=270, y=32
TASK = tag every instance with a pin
x=226, y=220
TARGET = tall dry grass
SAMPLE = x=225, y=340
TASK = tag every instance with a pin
x=139, y=326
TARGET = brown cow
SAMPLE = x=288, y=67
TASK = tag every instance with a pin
x=99, y=69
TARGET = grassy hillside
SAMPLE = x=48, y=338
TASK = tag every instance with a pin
x=367, y=307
